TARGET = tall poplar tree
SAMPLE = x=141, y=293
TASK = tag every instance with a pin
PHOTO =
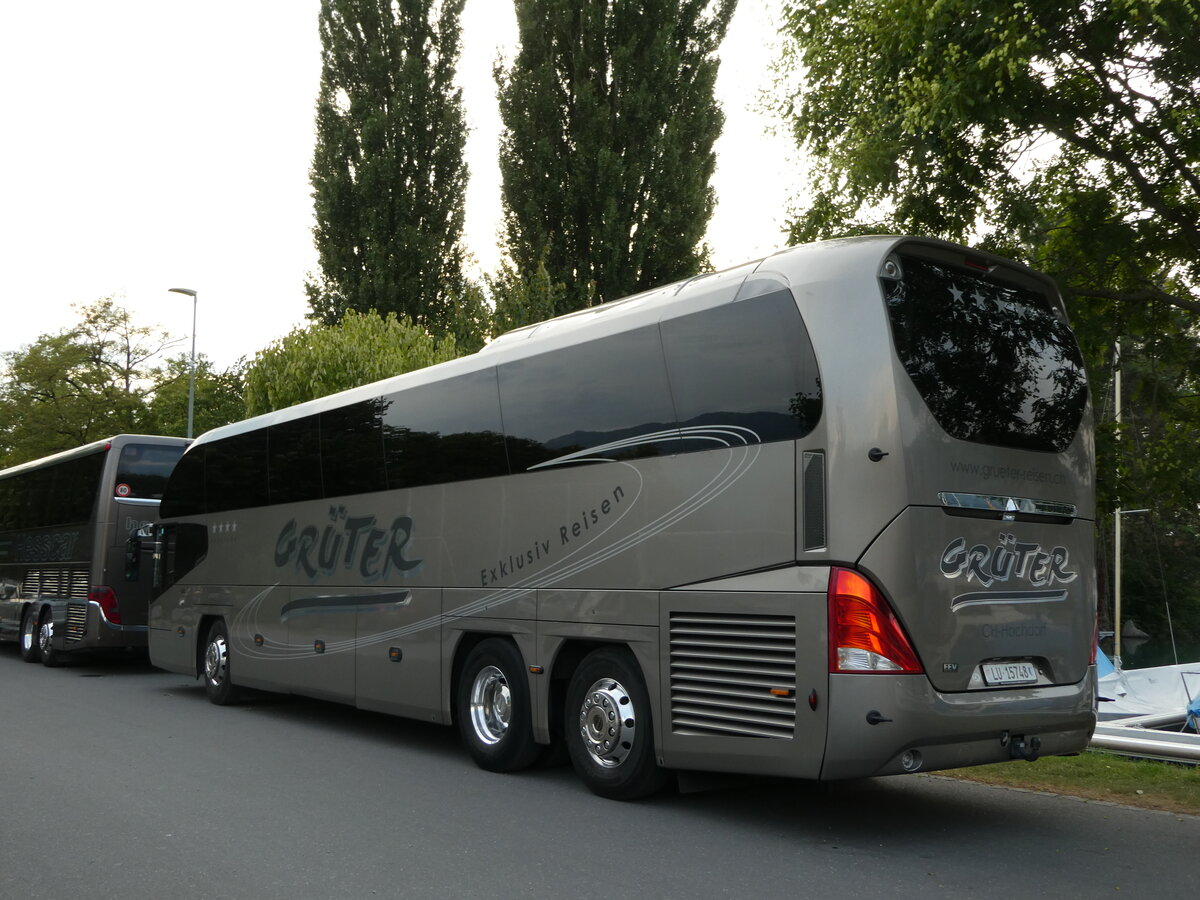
x=607, y=152
x=388, y=174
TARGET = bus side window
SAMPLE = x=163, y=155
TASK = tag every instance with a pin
x=352, y=449
x=180, y=548
x=776, y=399
x=235, y=472
x=184, y=495
x=609, y=397
x=294, y=461
x=444, y=432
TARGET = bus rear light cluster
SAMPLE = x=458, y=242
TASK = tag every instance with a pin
x=106, y=597
x=864, y=633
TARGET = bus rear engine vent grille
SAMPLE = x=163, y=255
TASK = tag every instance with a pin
x=76, y=622
x=733, y=674
x=70, y=584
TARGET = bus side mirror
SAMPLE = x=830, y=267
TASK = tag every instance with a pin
x=133, y=558
x=159, y=547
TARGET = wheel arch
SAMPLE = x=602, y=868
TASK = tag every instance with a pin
x=31, y=608
x=202, y=628
x=567, y=658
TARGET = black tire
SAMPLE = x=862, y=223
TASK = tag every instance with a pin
x=215, y=669
x=608, y=727
x=493, y=709
x=45, y=633
x=30, y=651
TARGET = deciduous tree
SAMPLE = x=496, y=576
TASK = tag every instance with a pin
x=320, y=359
x=1060, y=133
x=1063, y=128
x=84, y=383
x=218, y=396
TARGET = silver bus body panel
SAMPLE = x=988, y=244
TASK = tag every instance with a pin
x=971, y=591
x=83, y=555
x=661, y=553
x=723, y=653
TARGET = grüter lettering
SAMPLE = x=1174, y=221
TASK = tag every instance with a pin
x=348, y=544
x=1008, y=559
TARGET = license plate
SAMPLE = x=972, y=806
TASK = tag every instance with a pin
x=1010, y=673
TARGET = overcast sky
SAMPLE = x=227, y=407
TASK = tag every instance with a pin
x=152, y=144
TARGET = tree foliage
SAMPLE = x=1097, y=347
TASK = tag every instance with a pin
x=78, y=385
x=1059, y=133
x=521, y=301
x=320, y=359
x=100, y=377
x=218, y=396
x=1059, y=125
x=388, y=174
x=607, y=151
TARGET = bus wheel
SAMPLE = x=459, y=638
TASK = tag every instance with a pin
x=31, y=652
x=217, y=682
x=45, y=637
x=609, y=734
x=493, y=709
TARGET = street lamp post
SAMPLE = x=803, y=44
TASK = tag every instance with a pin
x=192, y=373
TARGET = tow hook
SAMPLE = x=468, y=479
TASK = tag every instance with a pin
x=1020, y=747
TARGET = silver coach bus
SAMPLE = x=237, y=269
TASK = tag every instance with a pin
x=825, y=515
x=64, y=525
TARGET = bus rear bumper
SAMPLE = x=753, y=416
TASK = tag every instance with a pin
x=895, y=724
x=81, y=625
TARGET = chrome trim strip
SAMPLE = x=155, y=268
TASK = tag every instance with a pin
x=1007, y=507
x=135, y=501
x=984, y=598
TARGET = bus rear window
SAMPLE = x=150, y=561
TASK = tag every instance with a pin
x=143, y=470
x=994, y=362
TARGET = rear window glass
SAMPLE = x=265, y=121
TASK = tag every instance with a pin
x=143, y=470
x=995, y=362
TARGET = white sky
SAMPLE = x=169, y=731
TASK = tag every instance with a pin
x=152, y=144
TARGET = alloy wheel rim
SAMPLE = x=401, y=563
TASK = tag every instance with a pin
x=608, y=723
x=215, y=662
x=491, y=705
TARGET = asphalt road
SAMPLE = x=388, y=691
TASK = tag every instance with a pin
x=122, y=781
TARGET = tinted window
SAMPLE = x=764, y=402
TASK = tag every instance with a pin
x=61, y=494
x=73, y=487
x=994, y=362
x=609, y=397
x=744, y=371
x=352, y=449
x=235, y=472
x=294, y=461
x=143, y=470
x=184, y=494
x=186, y=546
x=449, y=431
